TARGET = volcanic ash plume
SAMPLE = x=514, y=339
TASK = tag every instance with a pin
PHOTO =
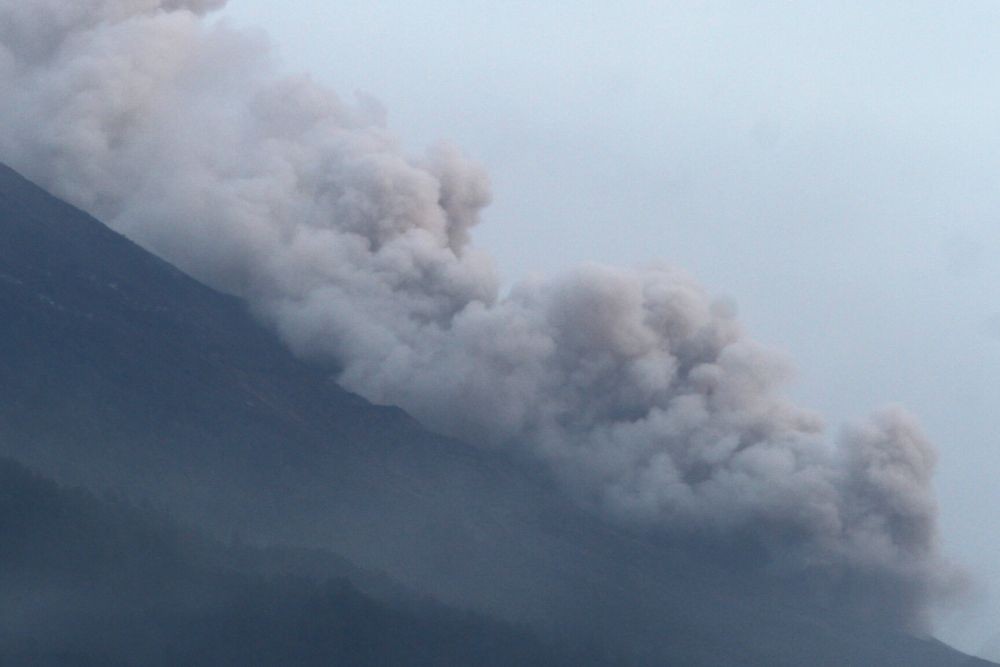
x=632, y=387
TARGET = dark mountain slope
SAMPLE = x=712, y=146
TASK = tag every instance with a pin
x=107, y=342
x=118, y=372
x=100, y=582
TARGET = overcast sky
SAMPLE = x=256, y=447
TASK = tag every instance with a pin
x=831, y=167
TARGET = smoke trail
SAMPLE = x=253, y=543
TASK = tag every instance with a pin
x=636, y=390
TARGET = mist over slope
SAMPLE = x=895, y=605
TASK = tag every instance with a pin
x=636, y=391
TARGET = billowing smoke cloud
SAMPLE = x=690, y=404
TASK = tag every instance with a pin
x=631, y=386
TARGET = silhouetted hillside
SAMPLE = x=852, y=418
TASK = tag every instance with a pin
x=101, y=582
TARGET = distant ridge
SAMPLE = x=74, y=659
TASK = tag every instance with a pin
x=128, y=587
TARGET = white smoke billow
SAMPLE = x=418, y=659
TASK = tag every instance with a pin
x=636, y=390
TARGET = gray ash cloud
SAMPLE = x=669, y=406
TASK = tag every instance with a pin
x=636, y=390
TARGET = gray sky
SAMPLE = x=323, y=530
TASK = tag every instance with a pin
x=831, y=167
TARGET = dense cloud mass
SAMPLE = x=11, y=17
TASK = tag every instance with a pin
x=635, y=389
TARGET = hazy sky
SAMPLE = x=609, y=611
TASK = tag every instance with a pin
x=831, y=167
